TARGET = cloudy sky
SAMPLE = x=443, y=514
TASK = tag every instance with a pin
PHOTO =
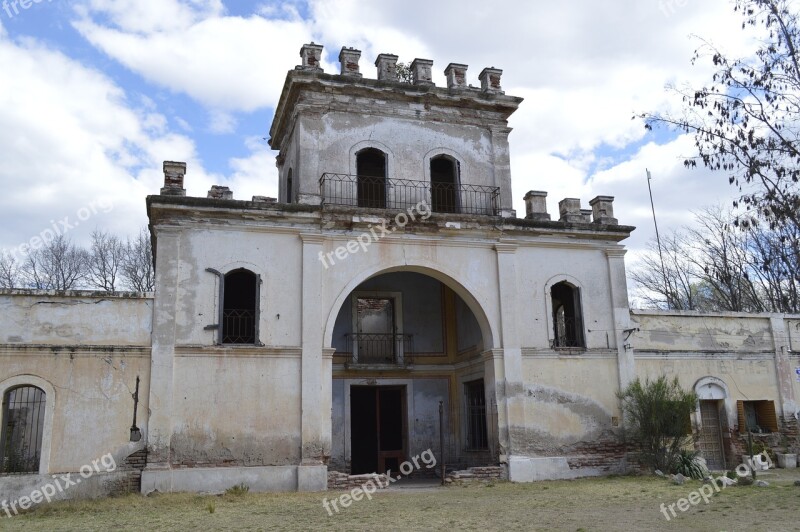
x=95, y=94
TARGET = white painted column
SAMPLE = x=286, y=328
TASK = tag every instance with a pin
x=783, y=367
x=509, y=386
x=618, y=285
x=308, y=171
x=313, y=473
x=157, y=474
x=501, y=162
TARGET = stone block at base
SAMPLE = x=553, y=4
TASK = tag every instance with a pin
x=312, y=478
x=527, y=469
x=219, y=479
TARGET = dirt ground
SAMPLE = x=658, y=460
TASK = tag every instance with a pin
x=622, y=503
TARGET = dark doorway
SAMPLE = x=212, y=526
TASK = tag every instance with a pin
x=444, y=181
x=377, y=428
x=567, y=319
x=371, y=170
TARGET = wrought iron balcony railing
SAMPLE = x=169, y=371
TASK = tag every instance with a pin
x=393, y=349
x=400, y=194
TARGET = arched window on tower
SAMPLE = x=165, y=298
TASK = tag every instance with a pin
x=371, y=170
x=444, y=184
x=240, y=307
x=22, y=430
x=567, y=316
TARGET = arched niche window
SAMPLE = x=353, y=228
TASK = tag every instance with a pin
x=567, y=315
x=289, y=189
x=444, y=184
x=371, y=170
x=23, y=417
x=240, y=307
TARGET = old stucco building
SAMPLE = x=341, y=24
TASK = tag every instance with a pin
x=322, y=331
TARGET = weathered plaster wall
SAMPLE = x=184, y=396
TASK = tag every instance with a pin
x=541, y=266
x=274, y=256
x=85, y=351
x=570, y=402
x=694, y=331
x=75, y=318
x=235, y=408
x=408, y=141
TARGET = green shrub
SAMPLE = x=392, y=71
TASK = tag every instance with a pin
x=657, y=416
x=689, y=464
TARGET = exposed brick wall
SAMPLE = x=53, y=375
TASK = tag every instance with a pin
x=134, y=464
x=608, y=454
x=477, y=474
x=343, y=481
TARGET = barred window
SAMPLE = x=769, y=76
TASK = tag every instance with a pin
x=240, y=307
x=475, y=399
x=22, y=430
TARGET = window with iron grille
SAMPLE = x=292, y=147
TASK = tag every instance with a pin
x=475, y=399
x=22, y=430
x=240, y=307
x=444, y=184
x=567, y=318
x=371, y=175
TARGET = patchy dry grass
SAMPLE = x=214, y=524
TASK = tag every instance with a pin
x=627, y=503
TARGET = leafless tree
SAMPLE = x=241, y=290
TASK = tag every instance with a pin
x=721, y=255
x=676, y=285
x=137, y=264
x=106, y=255
x=58, y=265
x=9, y=271
x=775, y=266
x=716, y=266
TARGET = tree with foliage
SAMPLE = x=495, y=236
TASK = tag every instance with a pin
x=657, y=417
x=404, y=73
x=746, y=121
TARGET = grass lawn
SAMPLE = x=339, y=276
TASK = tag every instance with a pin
x=623, y=503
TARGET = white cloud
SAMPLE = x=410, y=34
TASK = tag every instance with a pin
x=221, y=122
x=70, y=138
x=225, y=63
x=583, y=68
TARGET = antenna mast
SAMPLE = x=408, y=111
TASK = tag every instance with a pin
x=658, y=239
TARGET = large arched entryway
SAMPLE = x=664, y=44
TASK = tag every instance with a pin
x=405, y=342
